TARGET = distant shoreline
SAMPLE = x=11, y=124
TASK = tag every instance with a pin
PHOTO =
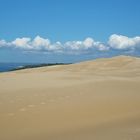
x=7, y=67
x=36, y=66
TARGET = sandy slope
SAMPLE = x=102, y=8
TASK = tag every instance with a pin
x=94, y=100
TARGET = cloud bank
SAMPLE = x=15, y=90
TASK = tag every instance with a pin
x=89, y=45
x=123, y=42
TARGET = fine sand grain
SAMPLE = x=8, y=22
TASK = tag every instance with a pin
x=93, y=100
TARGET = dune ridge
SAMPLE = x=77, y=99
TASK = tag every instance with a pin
x=97, y=99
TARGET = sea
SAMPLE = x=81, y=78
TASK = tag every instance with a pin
x=5, y=67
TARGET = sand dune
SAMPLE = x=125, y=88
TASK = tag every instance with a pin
x=93, y=100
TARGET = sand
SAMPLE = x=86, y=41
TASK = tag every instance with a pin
x=93, y=100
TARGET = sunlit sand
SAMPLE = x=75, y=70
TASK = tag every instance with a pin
x=93, y=100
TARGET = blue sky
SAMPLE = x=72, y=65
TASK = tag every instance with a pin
x=67, y=21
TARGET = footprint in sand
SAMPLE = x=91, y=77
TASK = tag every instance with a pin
x=36, y=95
x=31, y=106
x=51, y=100
x=19, y=99
x=43, y=95
x=61, y=98
x=137, y=130
x=12, y=101
x=11, y=114
x=67, y=96
x=22, y=109
x=42, y=103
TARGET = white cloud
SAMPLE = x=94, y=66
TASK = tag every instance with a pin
x=118, y=42
x=3, y=43
x=39, y=43
x=56, y=47
x=123, y=42
x=88, y=42
x=102, y=47
x=73, y=45
x=22, y=43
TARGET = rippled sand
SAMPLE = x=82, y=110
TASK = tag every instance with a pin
x=93, y=100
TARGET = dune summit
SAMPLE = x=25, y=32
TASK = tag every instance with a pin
x=93, y=100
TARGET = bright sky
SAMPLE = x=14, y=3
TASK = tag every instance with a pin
x=68, y=30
